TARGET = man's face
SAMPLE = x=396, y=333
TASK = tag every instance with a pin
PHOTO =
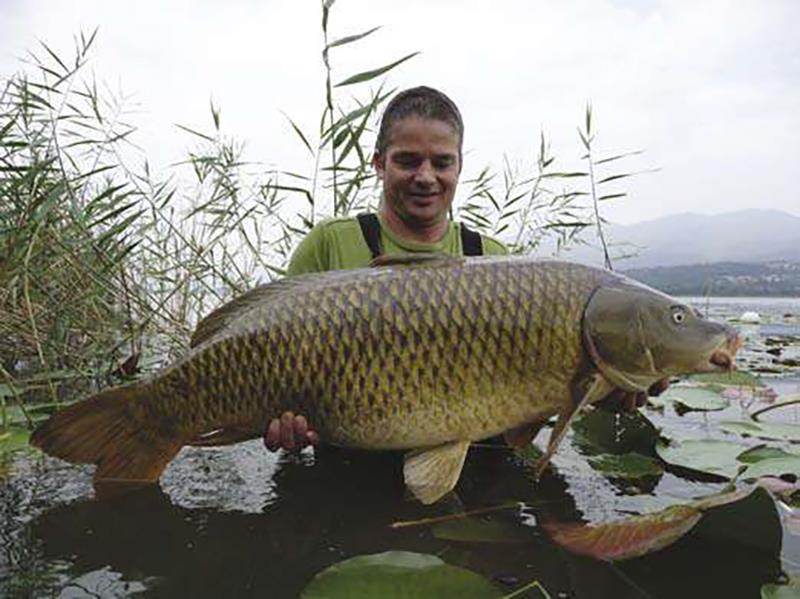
x=419, y=170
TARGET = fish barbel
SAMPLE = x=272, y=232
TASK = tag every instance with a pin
x=425, y=353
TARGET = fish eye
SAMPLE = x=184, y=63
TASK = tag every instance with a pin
x=678, y=315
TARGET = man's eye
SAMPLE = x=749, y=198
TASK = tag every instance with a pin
x=442, y=164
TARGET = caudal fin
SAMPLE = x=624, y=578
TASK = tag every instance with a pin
x=108, y=430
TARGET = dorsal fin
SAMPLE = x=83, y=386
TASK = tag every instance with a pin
x=217, y=320
x=411, y=259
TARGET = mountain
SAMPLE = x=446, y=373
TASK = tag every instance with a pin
x=751, y=279
x=742, y=236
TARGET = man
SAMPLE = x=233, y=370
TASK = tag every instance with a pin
x=418, y=158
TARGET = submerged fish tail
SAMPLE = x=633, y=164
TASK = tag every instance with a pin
x=109, y=430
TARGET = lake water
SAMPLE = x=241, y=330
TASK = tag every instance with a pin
x=238, y=521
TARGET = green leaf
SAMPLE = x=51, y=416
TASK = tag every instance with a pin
x=764, y=430
x=630, y=465
x=763, y=452
x=14, y=439
x=752, y=520
x=397, y=575
x=352, y=38
x=367, y=75
x=711, y=456
x=600, y=431
x=614, y=178
x=734, y=378
x=774, y=467
x=474, y=530
x=695, y=398
x=790, y=590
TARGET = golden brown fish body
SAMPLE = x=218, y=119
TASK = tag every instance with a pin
x=435, y=353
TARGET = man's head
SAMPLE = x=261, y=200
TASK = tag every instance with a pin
x=418, y=158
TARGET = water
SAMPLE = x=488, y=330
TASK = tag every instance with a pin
x=238, y=521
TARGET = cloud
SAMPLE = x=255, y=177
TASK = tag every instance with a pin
x=708, y=89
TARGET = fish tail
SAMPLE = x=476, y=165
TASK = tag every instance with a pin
x=108, y=430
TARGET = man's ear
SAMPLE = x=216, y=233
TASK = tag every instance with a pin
x=378, y=163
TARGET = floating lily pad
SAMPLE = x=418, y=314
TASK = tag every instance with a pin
x=473, y=530
x=631, y=537
x=703, y=455
x=398, y=575
x=791, y=590
x=629, y=465
x=735, y=378
x=774, y=467
x=752, y=520
x=763, y=452
x=764, y=430
x=639, y=535
x=696, y=398
x=600, y=431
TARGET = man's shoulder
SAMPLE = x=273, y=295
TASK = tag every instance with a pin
x=492, y=246
x=336, y=224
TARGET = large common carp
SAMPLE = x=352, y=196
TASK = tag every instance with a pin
x=426, y=353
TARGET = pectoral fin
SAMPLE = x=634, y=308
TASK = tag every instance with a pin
x=598, y=389
x=522, y=436
x=432, y=473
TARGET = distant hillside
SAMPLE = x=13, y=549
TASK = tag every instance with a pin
x=724, y=279
x=743, y=236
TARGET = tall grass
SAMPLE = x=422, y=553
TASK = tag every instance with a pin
x=105, y=265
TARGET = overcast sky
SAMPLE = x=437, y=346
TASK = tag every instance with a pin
x=709, y=89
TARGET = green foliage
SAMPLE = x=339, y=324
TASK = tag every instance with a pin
x=105, y=265
x=397, y=574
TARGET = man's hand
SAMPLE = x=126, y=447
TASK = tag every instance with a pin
x=290, y=432
x=628, y=401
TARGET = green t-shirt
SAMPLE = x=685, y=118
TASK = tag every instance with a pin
x=338, y=244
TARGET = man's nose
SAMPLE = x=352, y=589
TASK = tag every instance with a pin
x=425, y=174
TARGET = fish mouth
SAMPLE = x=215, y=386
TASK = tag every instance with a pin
x=723, y=358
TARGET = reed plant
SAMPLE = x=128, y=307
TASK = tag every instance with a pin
x=106, y=265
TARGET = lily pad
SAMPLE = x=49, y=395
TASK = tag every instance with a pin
x=473, y=530
x=763, y=452
x=629, y=465
x=735, y=378
x=791, y=590
x=703, y=455
x=764, y=430
x=398, y=575
x=600, y=431
x=628, y=538
x=696, y=398
x=639, y=535
x=774, y=467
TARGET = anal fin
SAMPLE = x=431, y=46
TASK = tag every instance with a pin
x=432, y=473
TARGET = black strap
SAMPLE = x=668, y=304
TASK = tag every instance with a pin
x=371, y=230
x=471, y=242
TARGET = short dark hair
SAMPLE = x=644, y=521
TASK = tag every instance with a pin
x=424, y=102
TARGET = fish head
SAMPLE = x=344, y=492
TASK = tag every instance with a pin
x=636, y=336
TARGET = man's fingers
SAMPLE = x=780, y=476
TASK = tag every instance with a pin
x=272, y=438
x=287, y=431
x=300, y=430
x=658, y=387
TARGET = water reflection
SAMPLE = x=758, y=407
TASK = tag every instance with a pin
x=318, y=512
